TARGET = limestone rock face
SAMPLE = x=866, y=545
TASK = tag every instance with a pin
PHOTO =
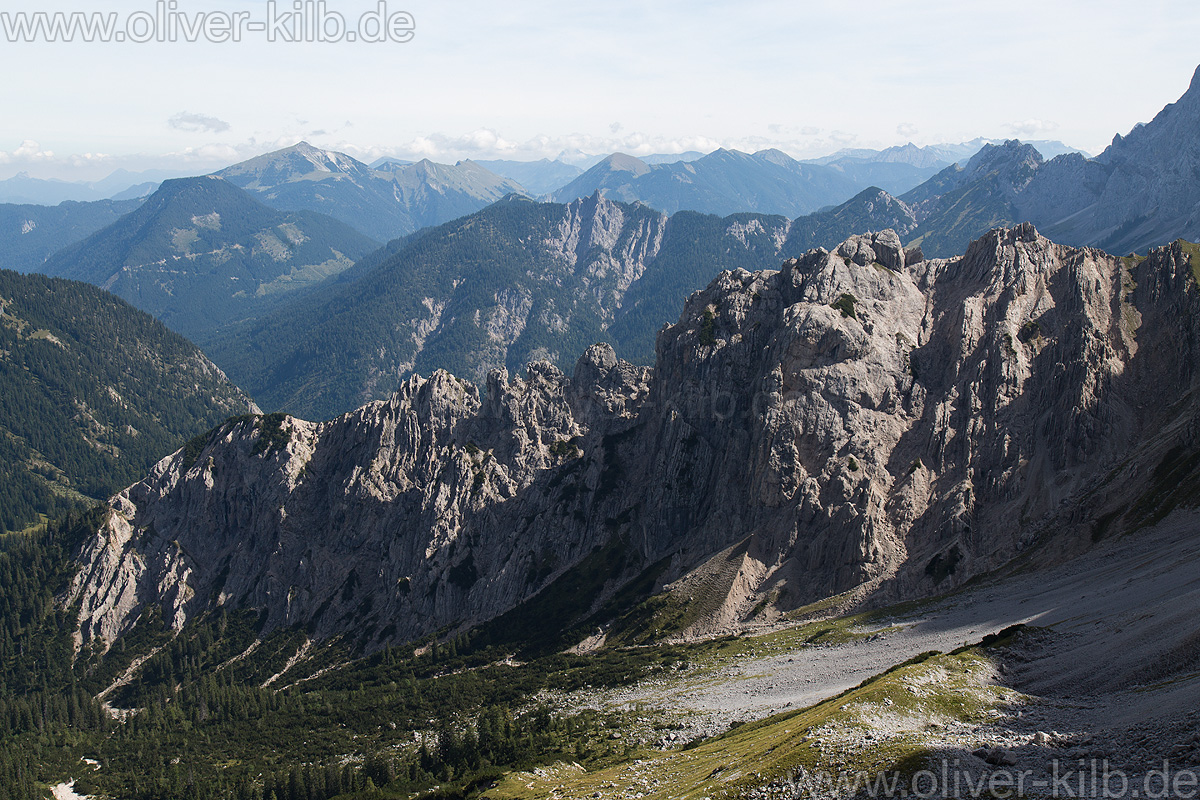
x=856, y=421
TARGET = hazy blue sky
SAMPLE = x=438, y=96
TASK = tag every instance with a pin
x=527, y=80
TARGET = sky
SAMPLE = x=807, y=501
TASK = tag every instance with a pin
x=529, y=80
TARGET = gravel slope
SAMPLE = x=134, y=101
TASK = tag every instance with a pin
x=1113, y=673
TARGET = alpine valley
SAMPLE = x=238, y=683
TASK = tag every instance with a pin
x=719, y=475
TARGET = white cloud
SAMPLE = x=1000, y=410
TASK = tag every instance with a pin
x=1031, y=128
x=197, y=123
x=906, y=129
x=485, y=143
x=29, y=152
x=216, y=153
x=87, y=159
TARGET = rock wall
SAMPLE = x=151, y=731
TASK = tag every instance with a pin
x=852, y=422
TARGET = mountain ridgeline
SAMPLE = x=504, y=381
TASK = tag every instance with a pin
x=723, y=182
x=95, y=392
x=856, y=422
x=390, y=201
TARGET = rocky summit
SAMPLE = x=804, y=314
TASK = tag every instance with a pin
x=861, y=422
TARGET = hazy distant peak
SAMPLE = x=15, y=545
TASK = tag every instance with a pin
x=625, y=163
x=392, y=198
x=774, y=156
x=324, y=160
x=1010, y=152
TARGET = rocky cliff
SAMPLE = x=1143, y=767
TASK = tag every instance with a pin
x=852, y=422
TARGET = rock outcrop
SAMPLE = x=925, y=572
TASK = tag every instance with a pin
x=852, y=422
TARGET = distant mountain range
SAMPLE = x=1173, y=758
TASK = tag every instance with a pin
x=673, y=158
x=201, y=253
x=29, y=234
x=520, y=280
x=896, y=169
x=384, y=203
x=120, y=185
x=94, y=393
x=25, y=190
x=539, y=177
x=722, y=182
x=959, y=203
x=901, y=168
x=393, y=197
x=523, y=280
x=937, y=155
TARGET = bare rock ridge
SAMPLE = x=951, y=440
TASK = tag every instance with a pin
x=858, y=421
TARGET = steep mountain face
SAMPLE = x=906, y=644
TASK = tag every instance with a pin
x=518, y=281
x=960, y=203
x=29, y=234
x=94, y=393
x=391, y=201
x=201, y=253
x=723, y=182
x=852, y=422
x=1142, y=191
